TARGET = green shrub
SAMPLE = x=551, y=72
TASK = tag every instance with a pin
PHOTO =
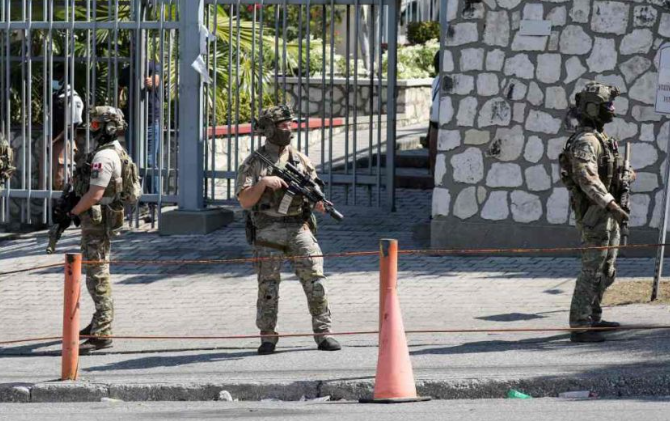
x=415, y=61
x=420, y=32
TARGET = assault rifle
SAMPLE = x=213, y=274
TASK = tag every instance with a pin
x=624, y=194
x=299, y=183
x=61, y=216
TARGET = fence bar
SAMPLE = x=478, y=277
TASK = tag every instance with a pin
x=379, y=108
x=229, y=110
x=332, y=96
x=346, y=99
x=391, y=96
x=354, y=162
x=307, y=36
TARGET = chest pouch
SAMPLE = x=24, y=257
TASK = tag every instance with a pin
x=285, y=203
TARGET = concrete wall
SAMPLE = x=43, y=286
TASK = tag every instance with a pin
x=502, y=109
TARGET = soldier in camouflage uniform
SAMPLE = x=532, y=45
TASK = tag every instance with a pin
x=98, y=183
x=281, y=227
x=6, y=161
x=591, y=168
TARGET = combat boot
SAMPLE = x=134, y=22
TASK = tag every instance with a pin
x=266, y=348
x=588, y=336
x=605, y=323
x=329, y=344
x=94, y=344
x=86, y=331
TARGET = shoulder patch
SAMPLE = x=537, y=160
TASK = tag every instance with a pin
x=583, y=149
x=97, y=166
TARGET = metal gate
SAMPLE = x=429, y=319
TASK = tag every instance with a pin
x=190, y=76
x=57, y=57
x=325, y=58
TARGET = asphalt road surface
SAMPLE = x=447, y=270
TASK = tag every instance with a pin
x=651, y=409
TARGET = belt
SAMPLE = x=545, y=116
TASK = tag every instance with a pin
x=264, y=221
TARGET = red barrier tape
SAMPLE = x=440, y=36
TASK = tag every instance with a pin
x=368, y=332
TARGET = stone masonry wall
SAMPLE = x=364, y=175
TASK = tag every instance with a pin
x=413, y=99
x=505, y=95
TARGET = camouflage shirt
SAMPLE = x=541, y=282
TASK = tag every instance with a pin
x=594, y=165
x=252, y=170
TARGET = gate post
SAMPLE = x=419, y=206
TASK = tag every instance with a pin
x=191, y=217
x=191, y=141
x=391, y=99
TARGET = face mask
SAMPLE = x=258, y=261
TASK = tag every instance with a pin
x=606, y=114
x=55, y=85
x=282, y=137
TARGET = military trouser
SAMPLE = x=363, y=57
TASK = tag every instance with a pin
x=598, y=229
x=294, y=239
x=95, y=245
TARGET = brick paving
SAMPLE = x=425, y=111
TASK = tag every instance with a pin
x=437, y=292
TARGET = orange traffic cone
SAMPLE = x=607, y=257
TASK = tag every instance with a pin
x=394, y=382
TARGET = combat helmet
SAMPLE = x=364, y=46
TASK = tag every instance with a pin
x=592, y=97
x=267, y=124
x=106, y=122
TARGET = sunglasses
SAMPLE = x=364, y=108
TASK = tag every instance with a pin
x=95, y=125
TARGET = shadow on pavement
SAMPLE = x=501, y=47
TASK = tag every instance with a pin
x=656, y=343
x=178, y=360
x=510, y=317
x=30, y=350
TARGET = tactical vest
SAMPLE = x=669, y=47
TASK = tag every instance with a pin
x=609, y=165
x=271, y=201
x=82, y=180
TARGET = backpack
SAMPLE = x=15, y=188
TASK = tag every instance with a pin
x=131, y=189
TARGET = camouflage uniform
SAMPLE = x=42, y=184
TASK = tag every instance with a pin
x=590, y=164
x=98, y=224
x=6, y=161
x=594, y=222
x=284, y=234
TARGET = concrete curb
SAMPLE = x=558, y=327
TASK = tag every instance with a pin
x=643, y=382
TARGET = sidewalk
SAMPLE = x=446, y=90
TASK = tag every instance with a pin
x=436, y=292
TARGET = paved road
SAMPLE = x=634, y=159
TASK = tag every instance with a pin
x=436, y=292
x=462, y=410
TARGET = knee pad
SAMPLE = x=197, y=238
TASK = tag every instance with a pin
x=319, y=288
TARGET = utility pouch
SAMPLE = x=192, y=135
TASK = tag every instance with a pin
x=565, y=167
x=96, y=214
x=249, y=228
x=114, y=219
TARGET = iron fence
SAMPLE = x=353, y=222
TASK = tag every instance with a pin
x=325, y=58
x=333, y=60
x=59, y=55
